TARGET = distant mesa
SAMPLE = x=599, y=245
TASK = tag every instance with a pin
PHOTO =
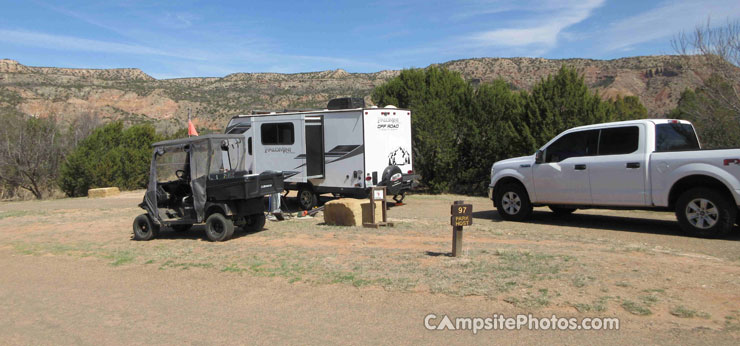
x=131, y=95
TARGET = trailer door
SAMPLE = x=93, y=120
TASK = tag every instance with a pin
x=314, y=147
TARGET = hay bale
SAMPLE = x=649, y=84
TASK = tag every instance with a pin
x=350, y=212
x=103, y=192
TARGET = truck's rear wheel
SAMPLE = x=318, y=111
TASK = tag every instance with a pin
x=307, y=198
x=218, y=227
x=513, y=203
x=705, y=212
x=254, y=222
x=144, y=228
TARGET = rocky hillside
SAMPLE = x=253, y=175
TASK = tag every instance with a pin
x=134, y=96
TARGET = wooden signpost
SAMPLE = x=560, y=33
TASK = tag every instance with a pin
x=462, y=215
x=378, y=193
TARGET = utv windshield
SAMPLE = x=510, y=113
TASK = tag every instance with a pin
x=170, y=162
x=228, y=155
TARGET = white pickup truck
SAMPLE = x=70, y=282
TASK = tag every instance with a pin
x=642, y=164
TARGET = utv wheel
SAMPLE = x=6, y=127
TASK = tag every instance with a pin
x=561, y=211
x=254, y=223
x=705, y=212
x=181, y=228
x=307, y=198
x=513, y=203
x=144, y=228
x=219, y=228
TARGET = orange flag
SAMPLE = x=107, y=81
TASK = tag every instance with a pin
x=191, y=129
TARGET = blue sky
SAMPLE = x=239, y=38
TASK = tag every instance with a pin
x=169, y=39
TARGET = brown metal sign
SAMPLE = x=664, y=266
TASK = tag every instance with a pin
x=462, y=215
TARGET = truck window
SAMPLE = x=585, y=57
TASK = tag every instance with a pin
x=619, y=140
x=675, y=137
x=277, y=133
x=575, y=144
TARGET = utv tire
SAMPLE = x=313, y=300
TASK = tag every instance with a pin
x=254, y=223
x=219, y=228
x=307, y=198
x=561, y=211
x=181, y=228
x=513, y=203
x=703, y=212
x=144, y=228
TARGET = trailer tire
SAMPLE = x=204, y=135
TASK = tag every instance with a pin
x=706, y=213
x=219, y=228
x=144, y=228
x=513, y=202
x=307, y=198
x=254, y=222
x=561, y=211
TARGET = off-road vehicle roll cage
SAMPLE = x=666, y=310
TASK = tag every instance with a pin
x=203, y=179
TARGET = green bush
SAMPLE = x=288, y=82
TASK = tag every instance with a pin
x=459, y=131
x=110, y=156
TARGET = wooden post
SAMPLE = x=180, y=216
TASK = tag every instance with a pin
x=462, y=215
x=383, y=205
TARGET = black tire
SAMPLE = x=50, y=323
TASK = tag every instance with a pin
x=181, y=228
x=254, y=223
x=703, y=212
x=307, y=199
x=561, y=211
x=219, y=228
x=513, y=202
x=144, y=228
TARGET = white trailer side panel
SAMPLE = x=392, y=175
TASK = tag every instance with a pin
x=344, y=150
x=288, y=157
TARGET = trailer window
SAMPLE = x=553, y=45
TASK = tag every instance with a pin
x=619, y=140
x=575, y=144
x=675, y=137
x=277, y=133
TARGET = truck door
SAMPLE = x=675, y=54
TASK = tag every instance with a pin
x=563, y=177
x=618, y=172
x=314, y=147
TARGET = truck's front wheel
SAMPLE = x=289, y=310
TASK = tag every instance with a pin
x=513, y=203
x=705, y=213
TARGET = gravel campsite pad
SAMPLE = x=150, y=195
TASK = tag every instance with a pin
x=633, y=265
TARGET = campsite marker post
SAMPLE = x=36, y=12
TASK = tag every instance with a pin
x=462, y=215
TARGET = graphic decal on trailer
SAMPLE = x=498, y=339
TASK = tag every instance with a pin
x=341, y=152
x=399, y=157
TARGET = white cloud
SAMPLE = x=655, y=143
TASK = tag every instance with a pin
x=667, y=19
x=60, y=42
x=546, y=21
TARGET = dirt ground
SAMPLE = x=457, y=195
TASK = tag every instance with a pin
x=70, y=273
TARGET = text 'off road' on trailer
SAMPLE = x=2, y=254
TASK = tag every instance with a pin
x=344, y=149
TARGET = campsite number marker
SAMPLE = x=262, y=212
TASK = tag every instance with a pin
x=462, y=215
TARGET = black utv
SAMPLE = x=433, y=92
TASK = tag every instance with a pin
x=203, y=179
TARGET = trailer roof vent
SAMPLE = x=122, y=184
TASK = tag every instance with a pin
x=346, y=103
x=390, y=106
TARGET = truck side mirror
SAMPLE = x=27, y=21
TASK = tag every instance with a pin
x=539, y=156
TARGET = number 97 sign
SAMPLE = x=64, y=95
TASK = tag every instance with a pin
x=462, y=215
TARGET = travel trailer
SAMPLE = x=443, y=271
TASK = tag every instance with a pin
x=345, y=149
